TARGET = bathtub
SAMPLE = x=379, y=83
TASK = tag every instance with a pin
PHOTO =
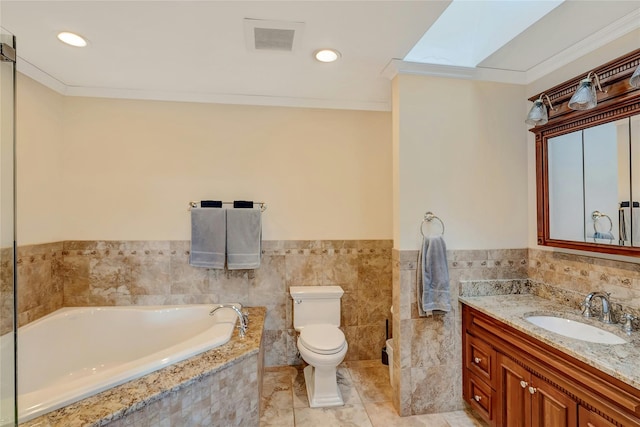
x=74, y=353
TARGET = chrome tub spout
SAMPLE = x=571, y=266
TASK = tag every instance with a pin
x=242, y=318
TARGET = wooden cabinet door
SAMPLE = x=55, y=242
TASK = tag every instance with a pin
x=550, y=407
x=514, y=399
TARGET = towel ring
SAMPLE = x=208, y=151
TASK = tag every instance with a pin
x=596, y=215
x=428, y=217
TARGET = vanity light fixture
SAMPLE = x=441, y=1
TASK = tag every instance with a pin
x=327, y=55
x=585, y=97
x=635, y=78
x=538, y=114
x=72, y=39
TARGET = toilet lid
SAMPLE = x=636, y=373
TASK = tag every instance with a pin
x=322, y=338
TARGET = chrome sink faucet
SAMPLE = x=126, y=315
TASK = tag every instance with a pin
x=606, y=315
x=242, y=317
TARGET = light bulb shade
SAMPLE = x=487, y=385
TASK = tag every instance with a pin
x=635, y=78
x=585, y=97
x=538, y=114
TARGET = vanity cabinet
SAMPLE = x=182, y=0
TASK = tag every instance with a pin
x=525, y=399
x=512, y=379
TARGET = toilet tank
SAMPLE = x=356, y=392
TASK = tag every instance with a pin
x=315, y=304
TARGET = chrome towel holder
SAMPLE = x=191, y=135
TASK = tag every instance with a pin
x=263, y=205
x=428, y=217
x=596, y=215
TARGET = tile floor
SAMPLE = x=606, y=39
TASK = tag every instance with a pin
x=367, y=394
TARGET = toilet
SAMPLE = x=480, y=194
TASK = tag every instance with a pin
x=316, y=317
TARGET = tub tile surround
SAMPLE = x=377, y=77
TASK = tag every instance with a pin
x=221, y=386
x=39, y=285
x=6, y=290
x=97, y=273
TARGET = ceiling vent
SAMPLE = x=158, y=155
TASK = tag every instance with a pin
x=278, y=36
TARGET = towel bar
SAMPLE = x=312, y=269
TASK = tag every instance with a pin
x=428, y=217
x=263, y=205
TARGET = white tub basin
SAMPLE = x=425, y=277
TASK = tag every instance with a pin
x=573, y=329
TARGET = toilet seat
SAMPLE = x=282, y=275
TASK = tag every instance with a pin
x=322, y=338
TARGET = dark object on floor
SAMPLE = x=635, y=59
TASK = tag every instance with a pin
x=385, y=355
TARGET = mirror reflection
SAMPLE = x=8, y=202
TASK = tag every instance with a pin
x=594, y=184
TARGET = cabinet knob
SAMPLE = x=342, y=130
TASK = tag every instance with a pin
x=477, y=398
x=524, y=384
x=477, y=359
x=532, y=390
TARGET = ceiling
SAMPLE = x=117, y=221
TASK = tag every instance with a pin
x=197, y=51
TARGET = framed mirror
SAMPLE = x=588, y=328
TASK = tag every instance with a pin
x=588, y=165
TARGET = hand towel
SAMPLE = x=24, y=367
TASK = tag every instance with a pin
x=432, y=284
x=244, y=204
x=208, y=238
x=603, y=235
x=622, y=226
x=244, y=238
x=210, y=203
x=631, y=225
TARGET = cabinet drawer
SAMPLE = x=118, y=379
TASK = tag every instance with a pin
x=480, y=359
x=480, y=396
x=587, y=418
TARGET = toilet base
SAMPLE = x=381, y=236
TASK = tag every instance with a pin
x=322, y=387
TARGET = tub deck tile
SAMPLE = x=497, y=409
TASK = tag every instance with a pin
x=185, y=392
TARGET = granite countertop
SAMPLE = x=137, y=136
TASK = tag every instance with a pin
x=621, y=361
x=113, y=404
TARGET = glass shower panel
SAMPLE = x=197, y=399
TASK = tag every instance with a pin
x=635, y=181
x=7, y=234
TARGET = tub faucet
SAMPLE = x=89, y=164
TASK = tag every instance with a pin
x=605, y=316
x=243, y=318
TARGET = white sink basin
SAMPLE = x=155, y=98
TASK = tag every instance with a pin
x=572, y=329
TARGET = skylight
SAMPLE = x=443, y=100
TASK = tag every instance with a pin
x=470, y=30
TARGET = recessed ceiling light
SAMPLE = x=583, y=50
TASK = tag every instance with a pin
x=72, y=39
x=327, y=55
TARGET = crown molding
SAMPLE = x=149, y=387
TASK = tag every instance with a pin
x=606, y=35
x=234, y=99
x=51, y=82
x=398, y=66
x=40, y=76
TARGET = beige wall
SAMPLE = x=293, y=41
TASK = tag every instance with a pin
x=119, y=169
x=39, y=142
x=461, y=153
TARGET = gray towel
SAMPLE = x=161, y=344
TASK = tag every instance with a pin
x=244, y=238
x=208, y=237
x=433, y=277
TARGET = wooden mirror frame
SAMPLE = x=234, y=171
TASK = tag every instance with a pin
x=620, y=101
